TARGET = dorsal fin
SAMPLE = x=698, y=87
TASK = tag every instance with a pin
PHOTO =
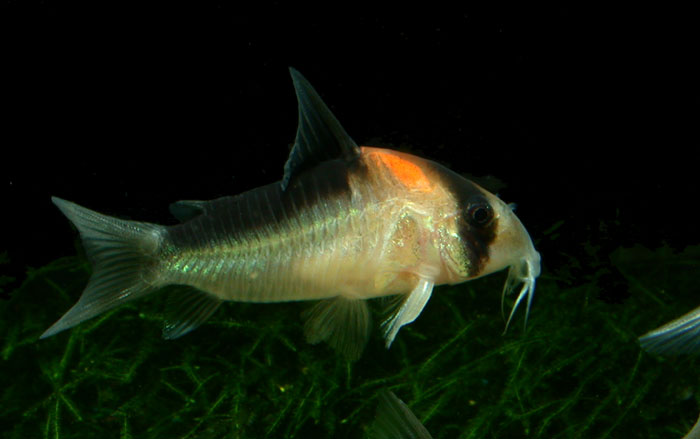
x=320, y=136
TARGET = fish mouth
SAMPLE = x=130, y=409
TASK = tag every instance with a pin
x=514, y=249
x=521, y=274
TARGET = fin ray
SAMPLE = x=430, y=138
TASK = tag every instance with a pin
x=343, y=323
x=408, y=309
x=680, y=336
x=320, y=137
x=186, y=309
x=122, y=254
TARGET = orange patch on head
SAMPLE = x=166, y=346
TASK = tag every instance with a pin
x=404, y=171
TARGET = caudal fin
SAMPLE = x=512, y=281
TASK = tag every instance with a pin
x=124, y=262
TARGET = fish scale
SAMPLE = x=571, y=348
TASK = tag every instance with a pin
x=265, y=251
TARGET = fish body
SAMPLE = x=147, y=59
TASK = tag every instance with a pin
x=345, y=224
x=372, y=233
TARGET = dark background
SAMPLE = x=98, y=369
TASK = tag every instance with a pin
x=588, y=115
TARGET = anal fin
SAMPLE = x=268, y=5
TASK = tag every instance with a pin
x=186, y=309
x=343, y=323
x=408, y=309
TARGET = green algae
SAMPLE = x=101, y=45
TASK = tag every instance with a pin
x=576, y=371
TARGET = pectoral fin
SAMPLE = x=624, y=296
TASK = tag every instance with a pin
x=408, y=309
x=681, y=336
x=343, y=323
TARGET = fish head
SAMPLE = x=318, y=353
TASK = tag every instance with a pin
x=513, y=248
x=486, y=237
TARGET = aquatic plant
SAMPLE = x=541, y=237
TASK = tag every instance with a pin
x=575, y=372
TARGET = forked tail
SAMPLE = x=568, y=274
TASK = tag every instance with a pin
x=124, y=262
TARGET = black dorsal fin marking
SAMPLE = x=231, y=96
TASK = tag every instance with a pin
x=185, y=210
x=320, y=136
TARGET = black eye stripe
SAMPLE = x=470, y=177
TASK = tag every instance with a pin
x=475, y=238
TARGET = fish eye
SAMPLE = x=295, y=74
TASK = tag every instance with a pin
x=480, y=213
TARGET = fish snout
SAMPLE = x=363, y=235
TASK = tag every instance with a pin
x=513, y=248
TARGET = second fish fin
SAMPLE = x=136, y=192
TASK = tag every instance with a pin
x=681, y=336
x=185, y=210
x=394, y=420
x=186, y=309
x=343, y=323
x=408, y=309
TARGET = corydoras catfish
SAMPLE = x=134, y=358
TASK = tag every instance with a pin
x=345, y=224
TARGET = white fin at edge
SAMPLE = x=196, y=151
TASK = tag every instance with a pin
x=409, y=309
x=681, y=336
